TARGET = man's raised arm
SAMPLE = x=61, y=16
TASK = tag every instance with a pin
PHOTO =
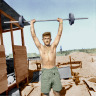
x=37, y=43
x=57, y=39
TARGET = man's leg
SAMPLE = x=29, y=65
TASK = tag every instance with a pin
x=45, y=82
x=56, y=93
x=57, y=86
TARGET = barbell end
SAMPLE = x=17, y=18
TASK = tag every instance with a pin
x=80, y=18
x=11, y=22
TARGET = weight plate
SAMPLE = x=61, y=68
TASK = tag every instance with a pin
x=71, y=19
x=21, y=21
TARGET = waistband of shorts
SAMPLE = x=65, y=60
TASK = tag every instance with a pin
x=50, y=68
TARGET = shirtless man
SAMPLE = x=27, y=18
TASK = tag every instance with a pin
x=50, y=77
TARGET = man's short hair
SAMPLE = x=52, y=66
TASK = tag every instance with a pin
x=46, y=34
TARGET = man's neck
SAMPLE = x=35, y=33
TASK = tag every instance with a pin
x=47, y=45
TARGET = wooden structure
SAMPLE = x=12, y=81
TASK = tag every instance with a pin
x=19, y=52
x=71, y=63
x=3, y=70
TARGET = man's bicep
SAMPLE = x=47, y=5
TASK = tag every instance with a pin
x=37, y=43
x=56, y=41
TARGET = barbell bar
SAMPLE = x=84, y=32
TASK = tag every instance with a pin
x=21, y=20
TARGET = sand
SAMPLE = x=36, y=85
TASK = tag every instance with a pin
x=88, y=70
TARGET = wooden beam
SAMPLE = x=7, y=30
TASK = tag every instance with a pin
x=2, y=12
x=12, y=39
x=1, y=37
x=22, y=37
x=70, y=64
x=15, y=29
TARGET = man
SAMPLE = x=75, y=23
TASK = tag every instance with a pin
x=50, y=77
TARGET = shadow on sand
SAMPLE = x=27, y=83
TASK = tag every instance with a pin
x=63, y=91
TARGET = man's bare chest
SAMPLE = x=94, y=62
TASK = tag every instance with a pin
x=47, y=51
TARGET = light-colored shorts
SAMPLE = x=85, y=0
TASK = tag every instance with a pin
x=50, y=78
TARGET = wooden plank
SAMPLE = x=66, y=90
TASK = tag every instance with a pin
x=18, y=57
x=2, y=54
x=76, y=61
x=75, y=67
x=4, y=71
x=23, y=75
x=3, y=66
x=3, y=87
x=91, y=85
x=23, y=70
x=18, y=68
x=22, y=37
x=12, y=38
x=2, y=60
x=21, y=63
x=3, y=84
x=4, y=81
x=3, y=77
x=20, y=52
x=17, y=47
x=2, y=48
x=72, y=62
x=19, y=79
x=1, y=37
x=8, y=30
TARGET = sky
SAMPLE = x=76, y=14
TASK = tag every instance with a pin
x=80, y=35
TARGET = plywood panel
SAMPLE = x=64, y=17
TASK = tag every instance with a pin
x=2, y=60
x=20, y=63
x=19, y=79
x=3, y=77
x=21, y=72
x=2, y=48
x=16, y=47
x=3, y=70
x=3, y=86
x=2, y=54
x=20, y=52
x=3, y=63
x=21, y=56
x=2, y=66
x=18, y=67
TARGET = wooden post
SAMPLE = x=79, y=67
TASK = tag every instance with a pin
x=12, y=39
x=22, y=37
x=1, y=37
x=70, y=64
x=23, y=44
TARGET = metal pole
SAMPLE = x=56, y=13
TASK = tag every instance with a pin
x=44, y=20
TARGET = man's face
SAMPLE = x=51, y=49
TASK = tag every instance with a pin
x=47, y=40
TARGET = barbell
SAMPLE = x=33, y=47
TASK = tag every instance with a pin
x=21, y=20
